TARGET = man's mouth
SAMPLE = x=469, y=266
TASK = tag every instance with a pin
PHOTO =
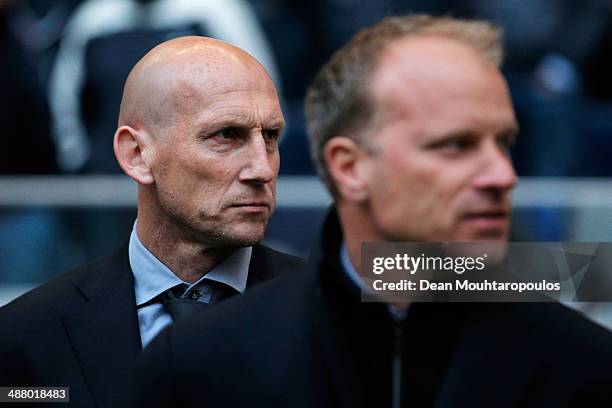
x=252, y=206
x=488, y=220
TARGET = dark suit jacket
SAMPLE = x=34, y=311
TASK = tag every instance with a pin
x=306, y=340
x=81, y=329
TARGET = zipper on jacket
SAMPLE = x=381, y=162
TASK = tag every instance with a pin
x=398, y=315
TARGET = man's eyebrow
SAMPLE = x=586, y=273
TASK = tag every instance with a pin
x=510, y=131
x=240, y=121
x=274, y=123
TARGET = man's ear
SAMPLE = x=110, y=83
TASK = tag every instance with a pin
x=130, y=146
x=347, y=165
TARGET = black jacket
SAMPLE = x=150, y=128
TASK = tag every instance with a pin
x=81, y=329
x=306, y=340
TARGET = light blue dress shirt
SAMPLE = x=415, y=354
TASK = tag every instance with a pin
x=350, y=269
x=152, y=277
x=396, y=313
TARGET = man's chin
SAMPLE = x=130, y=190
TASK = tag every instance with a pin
x=492, y=235
x=244, y=236
x=494, y=251
x=493, y=242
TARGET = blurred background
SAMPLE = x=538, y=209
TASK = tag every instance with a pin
x=63, y=200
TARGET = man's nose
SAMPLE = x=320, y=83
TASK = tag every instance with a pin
x=262, y=162
x=497, y=172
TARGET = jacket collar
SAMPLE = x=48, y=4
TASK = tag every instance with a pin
x=486, y=361
x=104, y=330
x=265, y=264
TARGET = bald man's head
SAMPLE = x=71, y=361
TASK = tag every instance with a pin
x=164, y=81
x=198, y=130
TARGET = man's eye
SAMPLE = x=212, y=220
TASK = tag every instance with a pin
x=227, y=134
x=455, y=144
x=506, y=143
x=461, y=144
x=270, y=135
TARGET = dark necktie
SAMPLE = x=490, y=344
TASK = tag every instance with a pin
x=179, y=306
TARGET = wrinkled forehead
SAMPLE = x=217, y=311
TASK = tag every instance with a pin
x=204, y=85
x=184, y=76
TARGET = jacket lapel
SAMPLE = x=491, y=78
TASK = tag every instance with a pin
x=104, y=332
x=332, y=292
x=265, y=264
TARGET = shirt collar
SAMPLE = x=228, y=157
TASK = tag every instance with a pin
x=396, y=313
x=350, y=269
x=152, y=277
x=233, y=270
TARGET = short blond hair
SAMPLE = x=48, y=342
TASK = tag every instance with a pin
x=339, y=102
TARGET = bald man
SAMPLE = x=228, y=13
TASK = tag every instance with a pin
x=198, y=131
